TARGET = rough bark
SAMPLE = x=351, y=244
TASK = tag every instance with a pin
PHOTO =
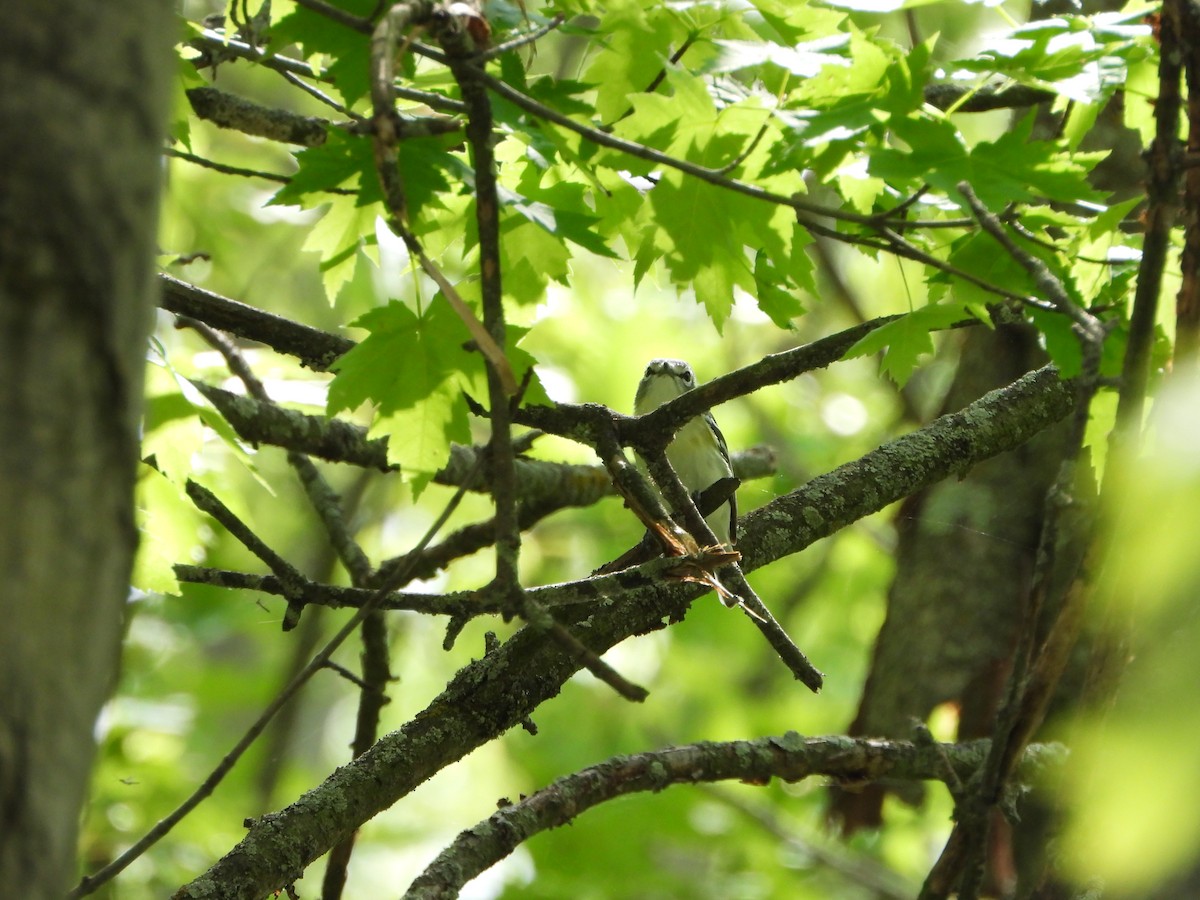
x=83, y=101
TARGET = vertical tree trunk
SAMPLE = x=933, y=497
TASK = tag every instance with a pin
x=82, y=106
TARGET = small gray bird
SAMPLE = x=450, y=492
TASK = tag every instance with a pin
x=698, y=452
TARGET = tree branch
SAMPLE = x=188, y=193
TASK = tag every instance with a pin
x=215, y=46
x=572, y=420
x=1187, y=303
x=227, y=110
x=376, y=670
x=742, y=594
x=457, y=604
x=1162, y=195
x=290, y=578
x=336, y=440
x=454, y=35
x=314, y=348
x=789, y=757
x=964, y=98
x=240, y=171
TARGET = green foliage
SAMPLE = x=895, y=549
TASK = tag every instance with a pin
x=904, y=341
x=345, y=50
x=602, y=252
x=1081, y=57
x=411, y=365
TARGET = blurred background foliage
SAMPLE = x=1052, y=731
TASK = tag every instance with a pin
x=201, y=662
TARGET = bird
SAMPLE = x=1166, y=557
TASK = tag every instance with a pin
x=698, y=452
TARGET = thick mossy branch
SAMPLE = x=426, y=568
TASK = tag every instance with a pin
x=227, y=110
x=952, y=444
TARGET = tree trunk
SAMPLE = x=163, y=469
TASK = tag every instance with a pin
x=83, y=88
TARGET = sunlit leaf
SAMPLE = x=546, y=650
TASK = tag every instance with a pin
x=405, y=357
x=168, y=526
x=905, y=340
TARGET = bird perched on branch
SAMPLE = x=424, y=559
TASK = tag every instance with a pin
x=698, y=453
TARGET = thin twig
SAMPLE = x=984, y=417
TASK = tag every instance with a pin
x=898, y=211
x=677, y=496
x=206, y=501
x=539, y=617
x=90, y=883
x=673, y=61
x=1090, y=330
x=520, y=40
x=1022, y=231
x=315, y=92
x=346, y=674
x=213, y=42
x=338, y=596
x=855, y=866
x=225, y=169
x=745, y=154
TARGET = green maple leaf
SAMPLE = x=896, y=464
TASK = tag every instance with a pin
x=349, y=161
x=695, y=228
x=414, y=368
x=1016, y=167
x=1061, y=342
x=863, y=81
x=167, y=523
x=342, y=161
x=702, y=230
x=936, y=151
x=530, y=257
x=905, y=340
x=1013, y=168
x=348, y=49
x=419, y=436
x=564, y=217
x=774, y=298
x=635, y=47
x=980, y=255
x=405, y=357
